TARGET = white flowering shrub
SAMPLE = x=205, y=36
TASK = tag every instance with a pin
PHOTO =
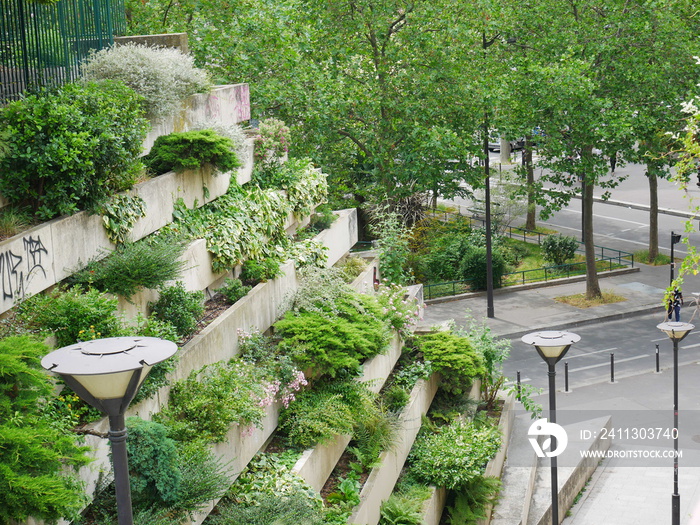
x=164, y=76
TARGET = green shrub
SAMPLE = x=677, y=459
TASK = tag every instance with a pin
x=473, y=267
x=162, y=76
x=405, y=507
x=153, y=463
x=322, y=219
x=132, y=267
x=557, y=249
x=71, y=148
x=457, y=360
x=205, y=477
x=179, y=307
x=268, y=484
x=327, y=344
x=14, y=220
x=292, y=509
x=210, y=400
x=339, y=407
x=396, y=398
x=254, y=271
x=72, y=315
x=352, y=267
x=190, y=150
x=436, y=460
x=392, y=244
x=468, y=505
x=35, y=454
x=233, y=290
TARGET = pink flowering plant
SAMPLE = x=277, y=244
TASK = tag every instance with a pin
x=401, y=312
x=272, y=140
x=283, y=378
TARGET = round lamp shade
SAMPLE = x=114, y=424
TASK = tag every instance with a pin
x=107, y=373
x=551, y=344
x=676, y=331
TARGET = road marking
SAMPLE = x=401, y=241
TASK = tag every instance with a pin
x=608, y=364
x=637, y=223
x=690, y=346
x=591, y=353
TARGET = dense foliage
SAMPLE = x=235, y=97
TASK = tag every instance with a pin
x=557, y=249
x=190, y=150
x=455, y=454
x=36, y=453
x=132, y=267
x=455, y=357
x=71, y=148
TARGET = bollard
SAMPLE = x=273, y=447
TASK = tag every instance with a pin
x=612, y=368
x=657, y=360
x=566, y=376
x=519, y=390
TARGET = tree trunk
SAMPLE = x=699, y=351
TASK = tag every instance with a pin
x=592, y=285
x=530, y=176
x=653, y=214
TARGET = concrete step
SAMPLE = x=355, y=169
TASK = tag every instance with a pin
x=518, y=477
x=573, y=470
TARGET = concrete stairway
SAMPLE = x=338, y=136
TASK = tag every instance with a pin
x=525, y=497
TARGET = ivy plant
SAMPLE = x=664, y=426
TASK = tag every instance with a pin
x=119, y=215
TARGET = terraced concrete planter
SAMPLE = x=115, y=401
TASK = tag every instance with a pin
x=259, y=309
x=229, y=104
x=316, y=464
x=382, y=479
x=48, y=253
x=434, y=506
x=494, y=468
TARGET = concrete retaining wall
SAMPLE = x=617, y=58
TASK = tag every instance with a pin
x=495, y=466
x=316, y=464
x=259, y=309
x=382, y=479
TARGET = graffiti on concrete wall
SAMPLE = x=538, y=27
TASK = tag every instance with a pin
x=16, y=269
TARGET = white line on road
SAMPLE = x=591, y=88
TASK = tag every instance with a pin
x=608, y=364
x=591, y=353
x=690, y=346
x=578, y=212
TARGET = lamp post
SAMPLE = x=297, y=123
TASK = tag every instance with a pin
x=675, y=239
x=106, y=374
x=676, y=332
x=552, y=346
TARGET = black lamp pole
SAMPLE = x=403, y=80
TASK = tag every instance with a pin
x=675, y=239
x=552, y=346
x=676, y=331
x=675, y=497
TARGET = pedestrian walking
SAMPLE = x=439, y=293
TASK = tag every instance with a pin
x=674, y=305
x=613, y=161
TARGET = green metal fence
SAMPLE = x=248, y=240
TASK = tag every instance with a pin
x=43, y=45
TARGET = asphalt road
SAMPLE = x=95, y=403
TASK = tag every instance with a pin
x=632, y=341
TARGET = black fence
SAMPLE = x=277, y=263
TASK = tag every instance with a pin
x=606, y=259
x=43, y=45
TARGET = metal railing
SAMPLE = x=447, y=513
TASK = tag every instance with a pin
x=43, y=45
x=606, y=259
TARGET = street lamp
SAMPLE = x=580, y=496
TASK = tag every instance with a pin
x=676, y=332
x=675, y=239
x=552, y=346
x=106, y=374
